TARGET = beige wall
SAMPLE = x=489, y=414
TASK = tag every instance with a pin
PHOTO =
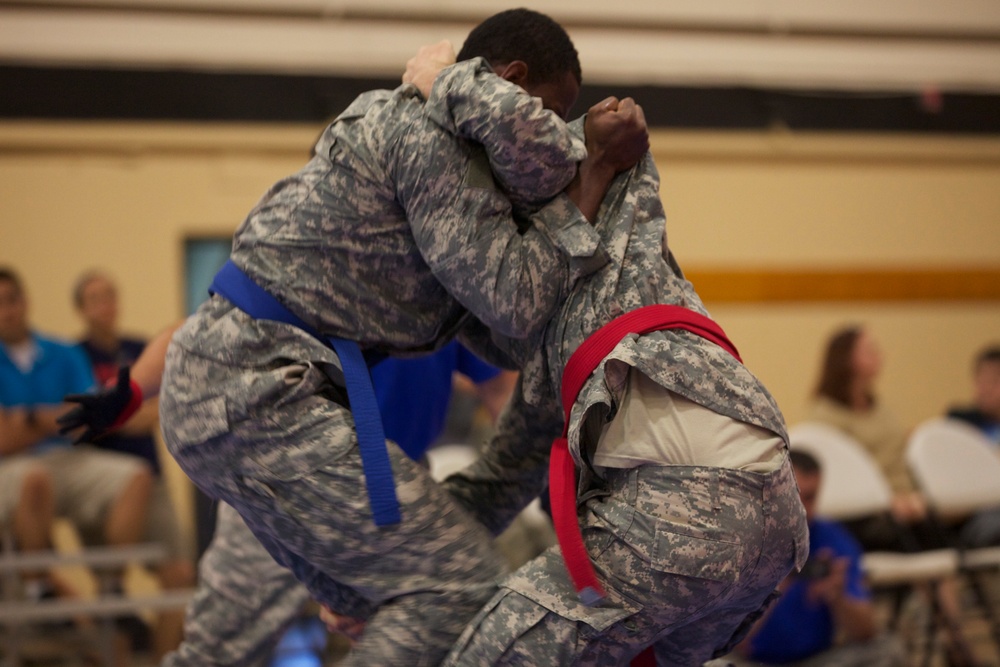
x=842, y=202
x=831, y=200
x=124, y=197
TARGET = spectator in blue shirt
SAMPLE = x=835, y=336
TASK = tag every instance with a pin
x=983, y=529
x=984, y=413
x=243, y=595
x=95, y=297
x=414, y=394
x=826, y=600
x=102, y=493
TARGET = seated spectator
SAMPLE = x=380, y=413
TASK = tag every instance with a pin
x=845, y=399
x=95, y=297
x=27, y=512
x=984, y=413
x=243, y=594
x=983, y=529
x=104, y=494
x=827, y=600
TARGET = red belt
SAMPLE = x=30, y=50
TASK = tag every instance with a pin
x=562, y=471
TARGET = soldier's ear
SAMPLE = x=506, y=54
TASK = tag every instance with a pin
x=515, y=71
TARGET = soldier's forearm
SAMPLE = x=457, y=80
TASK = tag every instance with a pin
x=587, y=190
x=147, y=370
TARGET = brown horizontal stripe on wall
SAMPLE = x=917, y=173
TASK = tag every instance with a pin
x=793, y=285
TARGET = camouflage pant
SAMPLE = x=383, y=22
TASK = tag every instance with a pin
x=686, y=554
x=243, y=604
x=274, y=441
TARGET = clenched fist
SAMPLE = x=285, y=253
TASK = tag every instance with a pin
x=616, y=133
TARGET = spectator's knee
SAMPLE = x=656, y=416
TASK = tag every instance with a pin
x=136, y=493
x=37, y=488
x=177, y=573
x=142, y=481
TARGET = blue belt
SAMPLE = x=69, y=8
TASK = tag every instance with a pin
x=253, y=300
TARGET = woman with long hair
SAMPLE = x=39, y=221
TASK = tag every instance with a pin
x=845, y=398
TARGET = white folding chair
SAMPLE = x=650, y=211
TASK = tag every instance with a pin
x=956, y=467
x=854, y=488
x=958, y=471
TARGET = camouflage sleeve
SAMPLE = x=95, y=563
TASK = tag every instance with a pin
x=476, y=338
x=513, y=469
x=464, y=228
x=531, y=150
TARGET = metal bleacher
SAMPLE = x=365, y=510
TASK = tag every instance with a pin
x=75, y=631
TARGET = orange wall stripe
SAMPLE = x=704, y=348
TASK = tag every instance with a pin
x=789, y=285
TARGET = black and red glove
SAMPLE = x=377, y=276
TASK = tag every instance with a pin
x=104, y=411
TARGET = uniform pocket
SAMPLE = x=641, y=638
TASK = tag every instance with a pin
x=298, y=440
x=697, y=553
x=554, y=592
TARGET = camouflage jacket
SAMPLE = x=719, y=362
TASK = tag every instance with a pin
x=641, y=271
x=402, y=221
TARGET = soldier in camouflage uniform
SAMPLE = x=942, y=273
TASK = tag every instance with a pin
x=244, y=599
x=687, y=503
x=235, y=574
x=243, y=595
x=393, y=231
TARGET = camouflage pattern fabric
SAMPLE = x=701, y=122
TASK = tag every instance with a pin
x=688, y=555
x=397, y=211
x=243, y=603
x=641, y=270
x=273, y=442
x=397, y=225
